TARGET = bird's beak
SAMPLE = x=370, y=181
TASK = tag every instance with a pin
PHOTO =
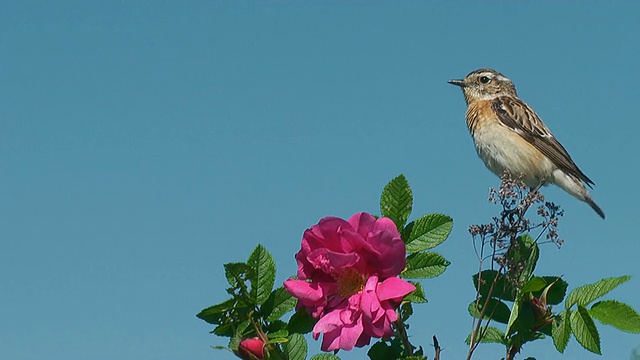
x=458, y=82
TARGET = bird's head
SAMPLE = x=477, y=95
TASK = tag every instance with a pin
x=485, y=84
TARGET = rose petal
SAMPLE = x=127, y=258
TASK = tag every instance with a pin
x=329, y=322
x=253, y=346
x=392, y=251
x=362, y=223
x=350, y=334
x=329, y=261
x=305, y=290
x=393, y=288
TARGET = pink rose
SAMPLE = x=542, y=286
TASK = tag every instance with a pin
x=347, y=277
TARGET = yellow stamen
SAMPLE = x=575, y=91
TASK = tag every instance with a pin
x=350, y=282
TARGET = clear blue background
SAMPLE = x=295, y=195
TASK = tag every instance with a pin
x=145, y=143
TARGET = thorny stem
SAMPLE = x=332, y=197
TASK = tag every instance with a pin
x=437, y=347
x=402, y=333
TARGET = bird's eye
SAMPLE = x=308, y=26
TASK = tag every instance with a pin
x=485, y=80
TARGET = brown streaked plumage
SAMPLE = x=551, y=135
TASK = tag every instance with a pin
x=510, y=136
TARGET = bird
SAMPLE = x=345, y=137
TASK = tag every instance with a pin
x=509, y=136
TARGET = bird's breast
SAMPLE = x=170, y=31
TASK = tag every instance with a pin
x=501, y=148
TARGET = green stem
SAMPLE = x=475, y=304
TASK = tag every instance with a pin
x=401, y=331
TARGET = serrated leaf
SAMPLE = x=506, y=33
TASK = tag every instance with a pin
x=424, y=265
x=416, y=296
x=296, y=348
x=226, y=330
x=301, y=322
x=534, y=284
x=325, y=357
x=216, y=314
x=617, y=314
x=561, y=330
x=428, y=231
x=584, y=329
x=237, y=273
x=503, y=289
x=495, y=309
x=396, y=201
x=279, y=303
x=278, y=336
x=239, y=276
x=234, y=342
x=265, y=274
x=556, y=293
x=491, y=335
x=585, y=294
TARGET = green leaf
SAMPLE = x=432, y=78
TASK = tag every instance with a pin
x=503, y=289
x=234, y=342
x=396, y=201
x=584, y=295
x=534, y=284
x=585, y=331
x=514, y=315
x=496, y=309
x=406, y=310
x=561, y=330
x=556, y=293
x=617, y=314
x=325, y=357
x=218, y=313
x=526, y=253
x=427, y=232
x=296, y=348
x=226, y=330
x=417, y=296
x=237, y=273
x=383, y=351
x=522, y=318
x=278, y=336
x=279, y=303
x=424, y=265
x=546, y=329
x=276, y=328
x=265, y=269
x=301, y=322
x=491, y=335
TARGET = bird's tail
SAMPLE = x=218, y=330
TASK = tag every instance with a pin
x=594, y=206
x=575, y=187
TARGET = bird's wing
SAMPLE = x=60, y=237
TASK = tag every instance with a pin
x=519, y=117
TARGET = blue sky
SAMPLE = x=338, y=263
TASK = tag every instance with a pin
x=144, y=144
